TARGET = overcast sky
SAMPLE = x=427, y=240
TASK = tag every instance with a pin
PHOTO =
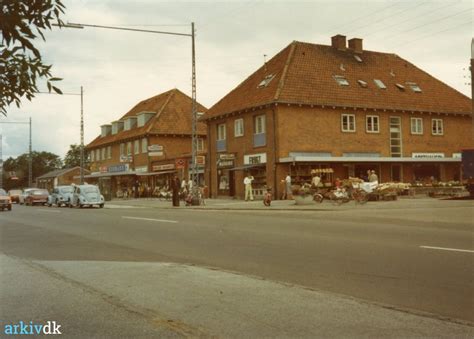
x=118, y=69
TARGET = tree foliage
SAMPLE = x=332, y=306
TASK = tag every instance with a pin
x=43, y=162
x=21, y=65
x=73, y=157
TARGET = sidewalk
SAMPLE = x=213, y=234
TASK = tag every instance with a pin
x=287, y=205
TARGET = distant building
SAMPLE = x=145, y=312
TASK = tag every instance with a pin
x=66, y=176
x=339, y=109
x=147, y=146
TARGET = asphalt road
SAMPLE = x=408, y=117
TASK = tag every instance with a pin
x=418, y=260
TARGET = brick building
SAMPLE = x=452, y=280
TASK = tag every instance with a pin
x=337, y=108
x=147, y=146
x=65, y=176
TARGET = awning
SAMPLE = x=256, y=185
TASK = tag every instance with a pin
x=244, y=167
x=155, y=173
x=366, y=159
x=101, y=175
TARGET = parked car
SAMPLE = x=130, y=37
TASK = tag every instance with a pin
x=37, y=196
x=5, y=200
x=15, y=195
x=24, y=194
x=86, y=195
x=61, y=195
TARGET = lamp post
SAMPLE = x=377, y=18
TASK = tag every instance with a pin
x=30, y=156
x=194, y=139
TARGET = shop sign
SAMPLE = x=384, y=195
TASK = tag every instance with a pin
x=103, y=169
x=428, y=155
x=180, y=163
x=457, y=155
x=119, y=168
x=141, y=169
x=155, y=154
x=253, y=159
x=225, y=163
x=226, y=156
x=163, y=167
x=155, y=148
x=200, y=160
x=126, y=158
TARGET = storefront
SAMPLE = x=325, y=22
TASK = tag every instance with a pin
x=225, y=177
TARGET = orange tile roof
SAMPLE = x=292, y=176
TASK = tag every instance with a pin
x=305, y=75
x=173, y=116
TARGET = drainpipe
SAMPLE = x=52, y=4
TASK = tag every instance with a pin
x=275, y=185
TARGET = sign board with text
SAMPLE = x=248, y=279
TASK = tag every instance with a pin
x=253, y=159
x=163, y=167
x=155, y=148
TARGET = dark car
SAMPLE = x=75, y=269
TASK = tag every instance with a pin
x=37, y=196
x=5, y=201
x=15, y=195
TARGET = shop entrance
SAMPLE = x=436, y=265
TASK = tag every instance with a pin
x=426, y=172
x=396, y=173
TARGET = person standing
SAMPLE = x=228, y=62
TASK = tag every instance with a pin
x=373, y=177
x=288, y=190
x=175, y=186
x=248, y=187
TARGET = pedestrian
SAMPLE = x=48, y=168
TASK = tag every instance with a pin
x=338, y=183
x=315, y=181
x=248, y=187
x=136, y=187
x=288, y=190
x=373, y=177
x=184, y=186
x=175, y=190
x=190, y=185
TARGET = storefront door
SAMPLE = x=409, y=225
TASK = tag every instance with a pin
x=396, y=173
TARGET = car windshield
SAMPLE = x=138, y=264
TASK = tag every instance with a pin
x=2, y=192
x=15, y=192
x=66, y=190
x=40, y=192
x=91, y=189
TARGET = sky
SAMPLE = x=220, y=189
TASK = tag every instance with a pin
x=117, y=69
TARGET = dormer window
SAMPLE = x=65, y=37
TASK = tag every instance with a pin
x=266, y=81
x=400, y=87
x=358, y=58
x=380, y=84
x=341, y=80
x=414, y=87
x=362, y=83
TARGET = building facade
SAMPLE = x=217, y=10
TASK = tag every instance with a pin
x=66, y=176
x=147, y=146
x=341, y=110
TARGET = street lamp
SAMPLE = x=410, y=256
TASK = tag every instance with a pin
x=194, y=139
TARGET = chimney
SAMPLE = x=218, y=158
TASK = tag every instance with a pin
x=356, y=45
x=339, y=42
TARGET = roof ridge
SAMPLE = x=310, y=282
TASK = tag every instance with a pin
x=281, y=83
x=157, y=115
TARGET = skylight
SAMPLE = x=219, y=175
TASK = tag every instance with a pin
x=380, y=84
x=400, y=87
x=266, y=81
x=341, y=80
x=358, y=58
x=414, y=87
x=362, y=83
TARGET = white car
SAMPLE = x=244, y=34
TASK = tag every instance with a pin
x=24, y=194
x=86, y=195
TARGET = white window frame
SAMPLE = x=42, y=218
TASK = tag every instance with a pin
x=200, y=144
x=129, y=148
x=348, y=116
x=136, y=147
x=144, y=145
x=221, y=132
x=122, y=149
x=414, y=124
x=109, y=152
x=375, y=123
x=103, y=152
x=437, y=127
x=239, y=127
x=92, y=155
x=97, y=154
x=260, y=124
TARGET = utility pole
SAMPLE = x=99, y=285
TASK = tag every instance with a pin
x=194, y=136
x=1, y=162
x=472, y=84
x=82, y=138
x=30, y=162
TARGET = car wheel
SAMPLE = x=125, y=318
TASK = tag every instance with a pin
x=101, y=206
x=10, y=208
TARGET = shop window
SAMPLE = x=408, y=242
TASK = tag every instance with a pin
x=239, y=127
x=221, y=138
x=136, y=147
x=416, y=125
x=259, y=137
x=372, y=123
x=437, y=127
x=348, y=123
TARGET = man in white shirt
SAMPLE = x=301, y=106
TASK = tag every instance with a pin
x=288, y=191
x=248, y=187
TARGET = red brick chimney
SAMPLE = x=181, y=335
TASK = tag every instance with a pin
x=339, y=42
x=356, y=45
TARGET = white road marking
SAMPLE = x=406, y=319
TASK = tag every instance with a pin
x=447, y=249
x=48, y=211
x=149, y=219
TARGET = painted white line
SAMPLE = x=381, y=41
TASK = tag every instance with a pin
x=447, y=249
x=48, y=211
x=149, y=219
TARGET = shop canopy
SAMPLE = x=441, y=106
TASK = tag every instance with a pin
x=245, y=167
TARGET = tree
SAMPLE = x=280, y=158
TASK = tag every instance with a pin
x=73, y=157
x=43, y=162
x=21, y=65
